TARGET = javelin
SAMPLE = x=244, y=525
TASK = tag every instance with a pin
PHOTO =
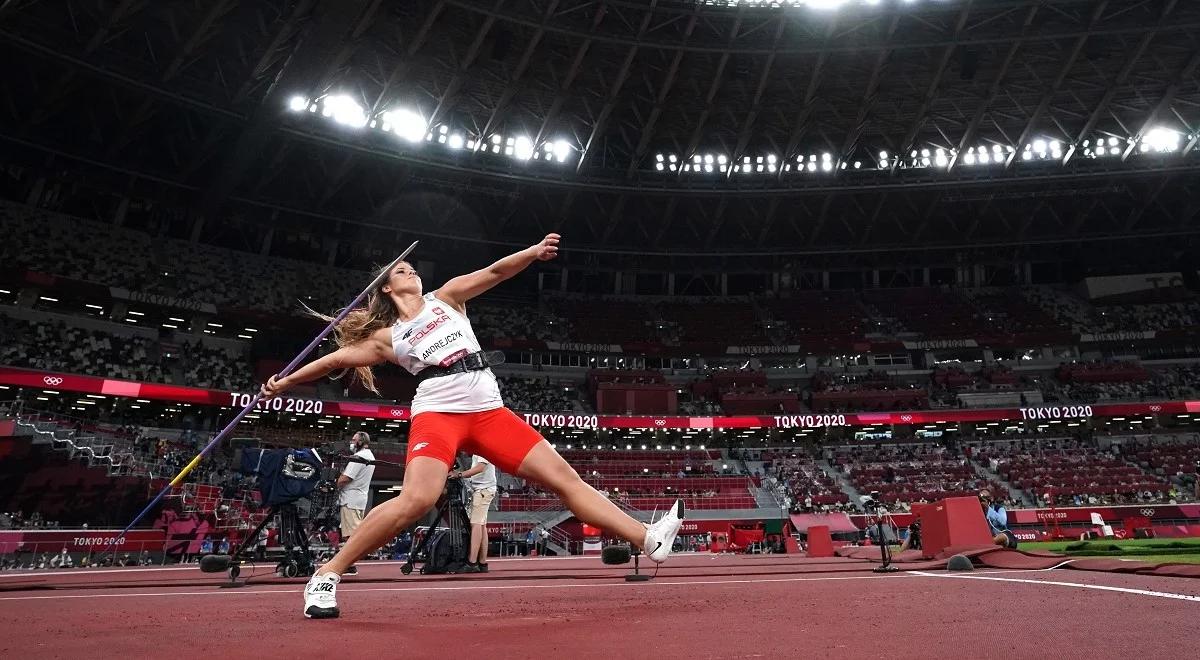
x=383, y=275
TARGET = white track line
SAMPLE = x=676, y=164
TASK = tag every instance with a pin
x=53, y=573
x=1077, y=585
x=478, y=586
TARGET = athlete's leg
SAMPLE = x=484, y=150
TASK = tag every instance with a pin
x=424, y=479
x=515, y=447
x=543, y=465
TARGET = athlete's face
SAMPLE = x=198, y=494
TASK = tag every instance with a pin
x=403, y=279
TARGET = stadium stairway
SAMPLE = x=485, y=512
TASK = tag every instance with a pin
x=94, y=450
x=843, y=483
x=986, y=472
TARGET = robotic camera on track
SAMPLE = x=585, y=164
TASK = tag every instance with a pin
x=616, y=555
x=284, y=477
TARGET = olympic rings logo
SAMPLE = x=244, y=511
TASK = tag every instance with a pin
x=660, y=422
x=1155, y=408
x=906, y=418
x=52, y=381
x=397, y=412
x=1149, y=513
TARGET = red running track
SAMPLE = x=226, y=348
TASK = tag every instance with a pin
x=699, y=606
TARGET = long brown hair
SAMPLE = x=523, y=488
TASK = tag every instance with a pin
x=361, y=323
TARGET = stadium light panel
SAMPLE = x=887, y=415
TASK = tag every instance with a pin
x=455, y=141
x=523, y=148
x=405, y=123
x=344, y=110
x=1162, y=140
x=298, y=104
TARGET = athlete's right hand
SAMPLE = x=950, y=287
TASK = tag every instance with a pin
x=273, y=387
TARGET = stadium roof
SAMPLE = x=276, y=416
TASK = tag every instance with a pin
x=708, y=126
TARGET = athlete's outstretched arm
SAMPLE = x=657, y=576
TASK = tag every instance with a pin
x=374, y=350
x=465, y=287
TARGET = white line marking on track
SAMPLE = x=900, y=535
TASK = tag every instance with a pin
x=47, y=575
x=1077, y=585
x=346, y=588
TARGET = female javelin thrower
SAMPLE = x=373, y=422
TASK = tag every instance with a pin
x=457, y=407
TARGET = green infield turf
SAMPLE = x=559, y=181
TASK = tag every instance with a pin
x=1157, y=551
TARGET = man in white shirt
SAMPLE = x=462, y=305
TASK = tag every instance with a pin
x=353, y=488
x=481, y=478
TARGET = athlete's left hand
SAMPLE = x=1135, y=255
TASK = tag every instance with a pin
x=548, y=248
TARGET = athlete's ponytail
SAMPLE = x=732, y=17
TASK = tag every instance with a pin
x=360, y=324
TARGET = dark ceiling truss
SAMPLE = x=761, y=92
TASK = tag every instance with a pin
x=192, y=96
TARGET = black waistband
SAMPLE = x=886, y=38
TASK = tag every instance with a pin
x=469, y=362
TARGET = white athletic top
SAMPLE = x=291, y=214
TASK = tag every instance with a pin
x=440, y=336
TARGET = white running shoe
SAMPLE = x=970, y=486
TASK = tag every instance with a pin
x=660, y=535
x=320, y=601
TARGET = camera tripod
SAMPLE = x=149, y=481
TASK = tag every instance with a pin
x=880, y=518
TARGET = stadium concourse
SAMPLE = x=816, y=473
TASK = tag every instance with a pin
x=831, y=273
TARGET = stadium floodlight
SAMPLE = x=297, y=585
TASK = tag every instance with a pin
x=522, y=148
x=298, y=104
x=1162, y=140
x=344, y=110
x=659, y=158
x=558, y=150
x=405, y=123
x=455, y=141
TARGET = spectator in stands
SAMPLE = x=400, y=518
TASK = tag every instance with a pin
x=62, y=560
x=997, y=519
x=353, y=488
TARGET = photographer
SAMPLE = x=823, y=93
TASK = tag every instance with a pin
x=997, y=520
x=481, y=477
x=353, y=487
x=913, y=540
